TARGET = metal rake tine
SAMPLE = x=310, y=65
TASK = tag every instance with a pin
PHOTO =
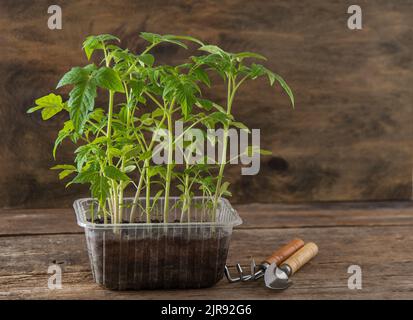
x=253, y=266
x=241, y=273
x=228, y=275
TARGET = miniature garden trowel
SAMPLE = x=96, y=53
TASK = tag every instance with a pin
x=276, y=258
x=277, y=277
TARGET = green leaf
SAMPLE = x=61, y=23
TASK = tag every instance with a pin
x=155, y=170
x=273, y=76
x=219, y=117
x=65, y=132
x=202, y=76
x=132, y=153
x=123, y=114
x=185, y=91
x=205, y=104
x=81, y=103
x=85, y=177
x=98, y=114
x=100, y=187
x=115, y=152
x=265, y=152
x=51, y=100
x=150, y=37
x=213, y=50
x=65, y=173
x=96, y=42
x=83, y=153
x=137, y=87
x=218, y=107
x=257, y=70
x=156, y=197
x=74, y=76
x=251, y=150
x=147, y=59
x=224, y=189
x=242, y=55
x=147, y=122
x=240, y=125
x=108, y=78
x=114, y=173
x=158, y=112
x=146, y=155
x=90, y=45
x=129, y=169
x=48, y=113
x=63, y=167
x=154, y=38
x=102, y=139
x=188, y=38
x=33, y=109
x=50, y=106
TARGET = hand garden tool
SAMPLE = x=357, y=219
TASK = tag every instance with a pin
x=277, y=277
x=276, y=258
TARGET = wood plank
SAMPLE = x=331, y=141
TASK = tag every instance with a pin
x=381, y=252
x=38, y=221
x=52, y=221
x=348, y=139
x=326, y=214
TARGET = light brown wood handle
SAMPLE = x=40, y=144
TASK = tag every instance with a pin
x=301, y=257
x=284, y=252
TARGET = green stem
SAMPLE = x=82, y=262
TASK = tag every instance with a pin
x=146, y=164
x=230, y=97
x=170, y=163
x=108, y=135
x=105, y=213
x=149, y=48
x=148, y=197
x=220, y=174
x=154, y=100
x=92, y=212
x=109, y=127
x=135, y=200
x=186, y=204
x=114, y=202
x=120, y=199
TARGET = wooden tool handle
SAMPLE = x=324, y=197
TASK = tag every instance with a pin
x=284, y=252
x=301, y=257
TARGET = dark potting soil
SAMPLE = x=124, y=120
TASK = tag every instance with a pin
x=100, y=220
x=158, y=258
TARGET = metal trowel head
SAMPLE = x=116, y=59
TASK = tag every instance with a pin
x=276, y=278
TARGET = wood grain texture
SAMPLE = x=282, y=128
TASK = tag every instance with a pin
x=255, y=216
x=379, y=247
x=284, y=252
x=301, y=257
x=349, y=138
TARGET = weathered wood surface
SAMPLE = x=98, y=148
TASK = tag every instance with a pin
x=349, y=138
x=375, y=236
x=398, y=213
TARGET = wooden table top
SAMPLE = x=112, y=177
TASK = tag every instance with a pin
x=376, y=236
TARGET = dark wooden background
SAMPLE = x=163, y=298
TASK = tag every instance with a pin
x=350, y=137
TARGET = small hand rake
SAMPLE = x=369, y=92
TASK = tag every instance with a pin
x=295, y=252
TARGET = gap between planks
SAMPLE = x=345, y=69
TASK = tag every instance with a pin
x=33, y=222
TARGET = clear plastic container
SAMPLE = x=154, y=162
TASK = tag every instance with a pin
x=159, y=255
